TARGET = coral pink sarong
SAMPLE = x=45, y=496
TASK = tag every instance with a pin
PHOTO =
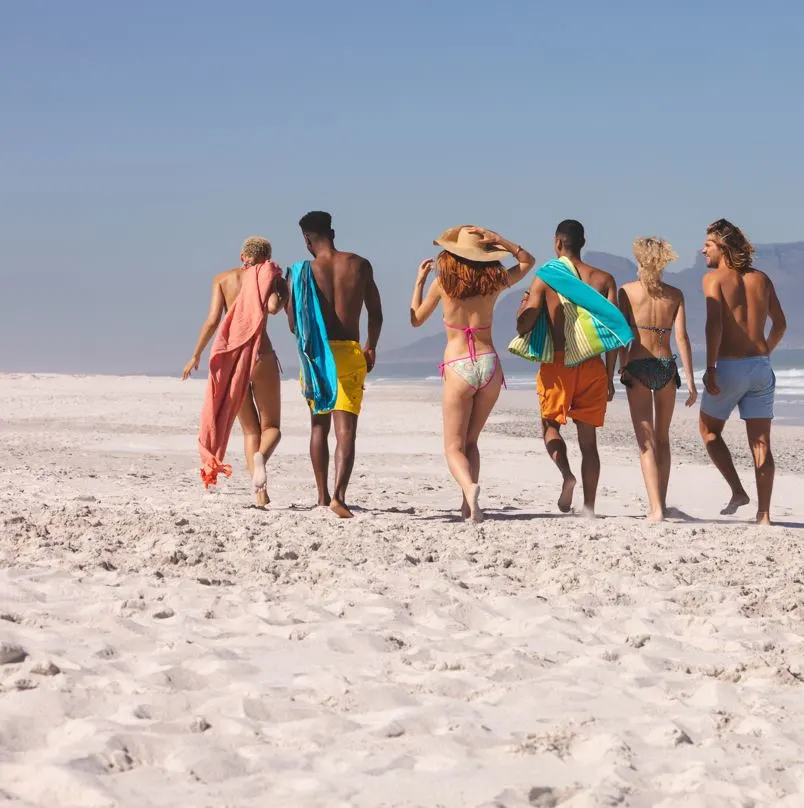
x=231, y=362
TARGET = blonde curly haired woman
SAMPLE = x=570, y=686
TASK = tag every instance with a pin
x=647, y=367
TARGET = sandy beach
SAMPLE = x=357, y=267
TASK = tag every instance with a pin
x=165, y=646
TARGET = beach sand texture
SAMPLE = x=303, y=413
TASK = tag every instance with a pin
x=163, y=646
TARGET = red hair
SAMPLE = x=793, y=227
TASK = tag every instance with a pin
x=461, y=278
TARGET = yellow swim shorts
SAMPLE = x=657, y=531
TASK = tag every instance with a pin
x=351, y=366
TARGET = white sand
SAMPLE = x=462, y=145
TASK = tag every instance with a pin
x=184, y=649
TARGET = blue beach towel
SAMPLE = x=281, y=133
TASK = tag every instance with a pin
x=592, y=324
x=319, y=376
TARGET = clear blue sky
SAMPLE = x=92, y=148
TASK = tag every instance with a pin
x=141, y=142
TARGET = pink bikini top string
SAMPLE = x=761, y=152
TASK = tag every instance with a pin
x=469, y=332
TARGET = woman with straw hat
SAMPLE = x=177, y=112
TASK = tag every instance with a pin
x=470, y=278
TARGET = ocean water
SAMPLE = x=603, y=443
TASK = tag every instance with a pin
x=788, y=365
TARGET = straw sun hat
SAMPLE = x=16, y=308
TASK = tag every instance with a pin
x=461, y=241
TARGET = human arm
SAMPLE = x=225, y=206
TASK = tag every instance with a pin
x=216, y=307
x=624, y=304
x=278, y=297
x=525, y=260
x=685, y=349
x=714, y=331
x=420, y=309
x=611, y=356
x=778, y=320
x=531, y=307
x=374, y=311
x=289, y=308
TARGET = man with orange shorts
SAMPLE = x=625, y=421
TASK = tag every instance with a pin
x=581, y=392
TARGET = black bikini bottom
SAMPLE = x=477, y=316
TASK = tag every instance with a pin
x=654, y=373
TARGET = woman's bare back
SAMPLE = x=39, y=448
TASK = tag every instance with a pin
x=470, y=312
x=230, y=283
x=651, y=318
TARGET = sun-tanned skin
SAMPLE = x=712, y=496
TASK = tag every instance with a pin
x=345, y=283
x=465, y=409
x=738, y=306
x=540, y=296
x=259, y=415
x=652, y=411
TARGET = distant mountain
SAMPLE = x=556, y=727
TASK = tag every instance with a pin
x=784, y=263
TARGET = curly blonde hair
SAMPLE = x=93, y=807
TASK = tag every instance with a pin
x=461, y=278
x=256, y=250
x=652, y=255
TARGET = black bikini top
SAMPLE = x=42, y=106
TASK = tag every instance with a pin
x=656, y=330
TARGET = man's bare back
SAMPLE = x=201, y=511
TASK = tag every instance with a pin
x=344, y=285
x=745, y=300
x=739, y=302
x=343, y=280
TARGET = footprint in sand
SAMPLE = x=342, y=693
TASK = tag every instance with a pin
x=11, y=653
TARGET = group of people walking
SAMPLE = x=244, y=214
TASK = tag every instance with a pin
x=572, y=320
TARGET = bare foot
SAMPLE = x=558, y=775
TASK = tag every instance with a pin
x=475, y=514
x=565, y=500
x=655, y=516
x=588, y=513
x=324, y=502
x=763, y=518
x=259, y=478
x=340, y=510
x=736, y=501
x=261, y=498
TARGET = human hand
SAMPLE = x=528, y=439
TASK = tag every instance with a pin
x=488, y=238
x=370, y=355
x=425, y=268
x=710, y=382
x=190, y=367
x=693, y=395
x=626, y=379
x=282, y=289
x=611, y=390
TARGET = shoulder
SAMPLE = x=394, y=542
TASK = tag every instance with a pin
x=355, y=263
x=600, y=277
x=352, y=258
x=673, y=292
x=226, y=275
x=758, y=273
x=711, y=280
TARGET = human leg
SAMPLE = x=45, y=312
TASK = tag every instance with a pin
x=319, y=454
x=557, y=450
x=345, y=436
x=590, y=465
x=250, y=425
x=588, y=410
x=711, y=430
x=265, y=383
x=482, y=405
x=457, y=405
x=758, y=431
x=640, y=403
x=664, y=403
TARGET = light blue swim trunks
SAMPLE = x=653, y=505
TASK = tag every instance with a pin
x=748, y=383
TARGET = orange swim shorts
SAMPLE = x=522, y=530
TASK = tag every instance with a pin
x=579, y=392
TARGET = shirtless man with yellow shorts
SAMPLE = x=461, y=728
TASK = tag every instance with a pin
x=345, y=283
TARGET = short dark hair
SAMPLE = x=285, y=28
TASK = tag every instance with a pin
x=571, y=234
x=316, y=223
